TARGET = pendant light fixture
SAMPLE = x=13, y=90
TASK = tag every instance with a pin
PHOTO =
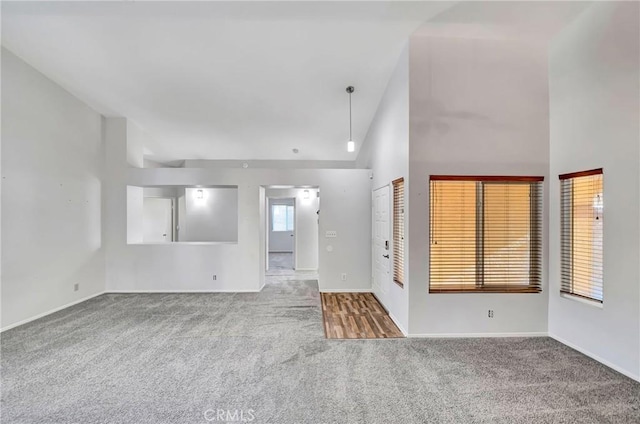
x=351, y=145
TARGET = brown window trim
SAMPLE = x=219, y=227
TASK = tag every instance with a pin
x=506, y=289
x=484, y=178
x=597, y=171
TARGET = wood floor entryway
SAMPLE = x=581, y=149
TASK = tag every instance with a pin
x=356, y=316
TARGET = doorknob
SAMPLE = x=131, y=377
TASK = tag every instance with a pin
x=385, y=256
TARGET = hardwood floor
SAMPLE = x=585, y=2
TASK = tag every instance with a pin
x=356, y=316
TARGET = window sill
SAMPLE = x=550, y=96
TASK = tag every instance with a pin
x=494, y=290
x=581, y=299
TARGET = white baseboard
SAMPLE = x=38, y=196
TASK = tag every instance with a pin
x=597, y=358
x=474, y=335
x=345, y=291
x=52, y=311
x=180, y=291
x=395, y=321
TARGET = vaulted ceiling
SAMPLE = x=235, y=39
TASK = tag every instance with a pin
x=235, y=80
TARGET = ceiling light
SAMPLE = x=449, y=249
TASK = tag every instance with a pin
x=199, y=194
x=351, y=145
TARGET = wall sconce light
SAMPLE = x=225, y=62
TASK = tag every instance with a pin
x=199, y=194
x=305, y=195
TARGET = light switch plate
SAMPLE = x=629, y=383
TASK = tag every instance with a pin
x=331, y=234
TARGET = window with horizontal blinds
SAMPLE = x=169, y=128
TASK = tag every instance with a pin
x=485, y=234
x=581, y=225
x=398, y=231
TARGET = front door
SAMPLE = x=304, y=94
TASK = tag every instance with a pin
x=380, y=248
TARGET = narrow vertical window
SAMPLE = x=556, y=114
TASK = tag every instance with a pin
x=582, y=218
x=398, y=231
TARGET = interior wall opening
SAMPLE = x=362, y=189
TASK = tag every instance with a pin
x=291, y=229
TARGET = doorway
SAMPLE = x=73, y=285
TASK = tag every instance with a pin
x=380, y=244
x=291, y=230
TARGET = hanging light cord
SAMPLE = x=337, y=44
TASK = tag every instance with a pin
x=350, y=138
x=350, y=90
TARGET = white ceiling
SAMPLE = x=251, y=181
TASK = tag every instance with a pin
x=223, y=80
x=247, y=80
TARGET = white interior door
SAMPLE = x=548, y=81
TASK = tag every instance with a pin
x=158, y=220
x=282, y=226
x=380, y=248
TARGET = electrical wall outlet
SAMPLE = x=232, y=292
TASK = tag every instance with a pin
x=490, y=313
x=215, y=277
x=331, y=234
x=343, y=276
x=76, y=287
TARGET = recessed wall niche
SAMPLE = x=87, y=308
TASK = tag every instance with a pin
x=182, y=214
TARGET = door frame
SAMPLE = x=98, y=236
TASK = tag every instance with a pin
x=266, y=218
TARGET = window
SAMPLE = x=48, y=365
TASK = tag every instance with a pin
x=485, y=234
x=398, y=231
x=282, y=217
x=582, y=214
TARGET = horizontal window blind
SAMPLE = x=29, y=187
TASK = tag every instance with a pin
x=485, y=234
x=398, y=231
x=582, y=219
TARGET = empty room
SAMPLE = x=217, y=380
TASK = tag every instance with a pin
x=320, y=212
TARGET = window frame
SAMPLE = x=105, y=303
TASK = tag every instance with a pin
x=287, y=208
x=568, y=282
x=535, y=236
x=398, y=230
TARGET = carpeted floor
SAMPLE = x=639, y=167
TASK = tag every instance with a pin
x=262, y=357
x=280, y=260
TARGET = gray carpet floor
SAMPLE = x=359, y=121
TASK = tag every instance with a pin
x=179, y=358
x=280, y=260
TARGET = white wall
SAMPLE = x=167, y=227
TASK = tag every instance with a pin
x=270, y=164
x=135, y=214
x=595, y=109
x=307, y=236
x=477, y=107
x=306, y=225
x=51, y=197
x=212, y=218
x=386, y=152
x=190, y=266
